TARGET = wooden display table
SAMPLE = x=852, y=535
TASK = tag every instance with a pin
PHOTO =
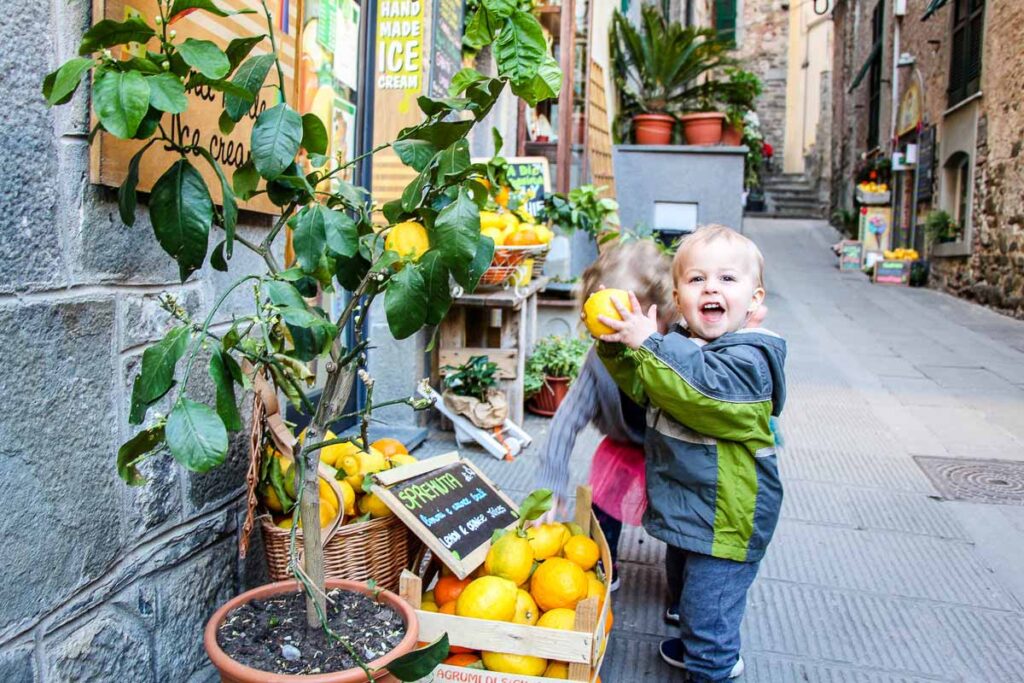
x=499, y=324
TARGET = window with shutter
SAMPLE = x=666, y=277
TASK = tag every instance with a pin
x=965, y=52
x=725, y=19
x=875, y=77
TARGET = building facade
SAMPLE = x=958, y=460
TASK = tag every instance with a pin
x=938, y=83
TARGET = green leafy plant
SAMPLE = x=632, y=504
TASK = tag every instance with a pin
x=660, y=68
x=846, y=219
x=473, y=378
x=582, y=209
x=737, y=92
x=337, y=247
x=939, y=227
x=554, y=356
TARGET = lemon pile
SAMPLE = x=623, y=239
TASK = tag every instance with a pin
x=537, y=579
x=870, y=186
x=514, y=229
x=902, y=254
x=349, y=464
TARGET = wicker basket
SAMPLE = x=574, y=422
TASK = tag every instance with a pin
x=378, y=549
x=504, y=264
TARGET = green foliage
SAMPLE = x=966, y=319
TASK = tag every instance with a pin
x=738, y=92
x=846, y=220
x=939, y=226
x=582, y=209
x=420, y=663
x=472, y=378
x=659, y=68
x=554, y=356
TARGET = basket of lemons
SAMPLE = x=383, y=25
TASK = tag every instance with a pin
x=520, y=247
x=363, y=540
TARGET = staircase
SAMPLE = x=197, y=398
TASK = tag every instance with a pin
x=791, y=195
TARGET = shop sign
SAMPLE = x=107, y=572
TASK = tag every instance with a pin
x=450, y=505
x=875, y=227
x=851, y=254
x=891, y=272
x=446, y=47
x=925, y=164
x=909, y=113
x=198, y=125
x=531, y=177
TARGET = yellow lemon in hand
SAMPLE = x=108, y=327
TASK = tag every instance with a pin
x=600, y=303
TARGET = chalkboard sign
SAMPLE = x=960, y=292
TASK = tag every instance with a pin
x=446, y=46
x=530, y=176
x=925, y=164
x=892, y=272
x=851, y=254
x=450, y=505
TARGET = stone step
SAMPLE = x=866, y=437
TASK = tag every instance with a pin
x=788, y=187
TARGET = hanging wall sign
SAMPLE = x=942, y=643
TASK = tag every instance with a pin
x=925, y=164
x=450, y=505
x=446, y=46
x=110, y=155
x=909, y=113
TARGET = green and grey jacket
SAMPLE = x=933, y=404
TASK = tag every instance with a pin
x=713, y=482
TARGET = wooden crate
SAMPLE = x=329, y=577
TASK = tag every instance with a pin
x=583, y=648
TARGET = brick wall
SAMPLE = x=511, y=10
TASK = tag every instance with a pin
x=762, y=37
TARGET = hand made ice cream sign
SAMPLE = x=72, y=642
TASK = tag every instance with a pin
x=400, y=45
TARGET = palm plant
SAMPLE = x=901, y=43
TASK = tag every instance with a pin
x=659, y=68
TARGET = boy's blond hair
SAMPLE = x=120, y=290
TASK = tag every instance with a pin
x=711, y=232
x=637, y=266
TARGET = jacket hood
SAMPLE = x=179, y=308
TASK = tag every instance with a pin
x=774, y=348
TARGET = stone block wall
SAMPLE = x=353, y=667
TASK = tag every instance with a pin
x=762, y=36
x=102, y=581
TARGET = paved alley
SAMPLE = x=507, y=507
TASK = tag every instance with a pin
x=876, y=574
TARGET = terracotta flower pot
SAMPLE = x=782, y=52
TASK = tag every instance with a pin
x=703, y=128
x=732, y=135
x=653, y=129
x=546, y=401
x=234, y=672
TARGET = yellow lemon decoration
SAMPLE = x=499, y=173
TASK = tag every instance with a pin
x=511, y=557
x=600, y=303
x=524, y=665
x=489, y=597
x=408, y=239
x=558, y=583
x=560, y=618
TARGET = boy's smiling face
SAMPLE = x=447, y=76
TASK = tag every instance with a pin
x=716, y=287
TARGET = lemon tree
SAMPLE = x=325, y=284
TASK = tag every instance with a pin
x=332, y=221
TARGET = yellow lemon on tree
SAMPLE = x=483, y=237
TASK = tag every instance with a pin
x=501, y=198
x=561, y=618
x=514, y=664
x=581, y=550
x=557, y=670
x=546, y=539
x=527, y=611
x=600, y=303
x=490, y=219
x=408, y=239
x=489, y=597
x=374, y=505
x=558, y=583
x=511, y=557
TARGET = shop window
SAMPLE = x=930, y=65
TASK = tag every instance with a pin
x=965, y=63
x=725, y=19
x=875, y=76
x=958, y=182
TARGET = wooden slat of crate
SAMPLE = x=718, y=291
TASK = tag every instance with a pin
x=507, y=359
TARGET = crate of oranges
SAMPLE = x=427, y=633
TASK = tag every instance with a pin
x=537, y=608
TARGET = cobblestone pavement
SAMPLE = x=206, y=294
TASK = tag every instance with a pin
x=875, y=575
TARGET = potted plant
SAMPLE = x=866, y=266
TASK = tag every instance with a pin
x=939, y=228
x=660, y=72
x=471, y=389
x=550, y=369
x=738, y=93
x=582, y=209
x=337, y=246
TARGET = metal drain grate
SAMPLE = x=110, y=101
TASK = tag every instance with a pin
x=1000, y=482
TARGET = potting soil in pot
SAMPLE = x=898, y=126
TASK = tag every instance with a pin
x=270, y=635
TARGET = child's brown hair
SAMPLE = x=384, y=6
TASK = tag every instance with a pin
x=638, y=266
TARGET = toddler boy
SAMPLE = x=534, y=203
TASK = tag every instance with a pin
x=713, y=484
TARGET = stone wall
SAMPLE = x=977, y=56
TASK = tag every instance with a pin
x=762, y=36
x=102, y=581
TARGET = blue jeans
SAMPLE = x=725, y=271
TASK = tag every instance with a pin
x=712, y=595
x=612, y=529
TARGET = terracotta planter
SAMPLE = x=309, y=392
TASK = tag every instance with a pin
x=546, y=401
x=732, y=135
x=233, y=672
x=653, y=129
x=703, y=128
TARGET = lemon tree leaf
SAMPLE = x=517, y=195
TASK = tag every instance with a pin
x=454, y=159
x=275, y=140
x=228, y=203
x=250, y=76
x=341, y=232
x=534, y=505
x=109, y=33
x=419, y=663
x=157, y=374
x=135, y=448
x=520, y=48
x=435, y=281
x=181, y=211
x=205, y=57
x=310, y=237
x=121, y=100
x=415, y=153
x=457, y=229
x=180, y=6
x=167, y=93
x=126, y=196
x=223, y=381
x=59, y=86
x=405, y=302
x=196, y=436
x=314, y=134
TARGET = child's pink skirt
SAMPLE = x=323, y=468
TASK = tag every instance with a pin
x=618, y=480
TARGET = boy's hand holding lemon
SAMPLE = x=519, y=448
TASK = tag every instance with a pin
x=614, y=315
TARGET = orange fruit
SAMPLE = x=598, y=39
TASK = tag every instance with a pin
x=581, y=550
x=501, y=199
x=449, y=588
x=608, y=622
x=489, y=597
x=560, y=618
x=558, y=583
x=514, y=664
x=408, y=239
x=511, y=557
x=447, y=608
x=595, y=589
x=522, y=238
x=600, y=303
x=388, y=447
x=463, y=659
x=526, y=609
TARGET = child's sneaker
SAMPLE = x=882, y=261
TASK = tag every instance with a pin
x=672, y=615
x=672, y=652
